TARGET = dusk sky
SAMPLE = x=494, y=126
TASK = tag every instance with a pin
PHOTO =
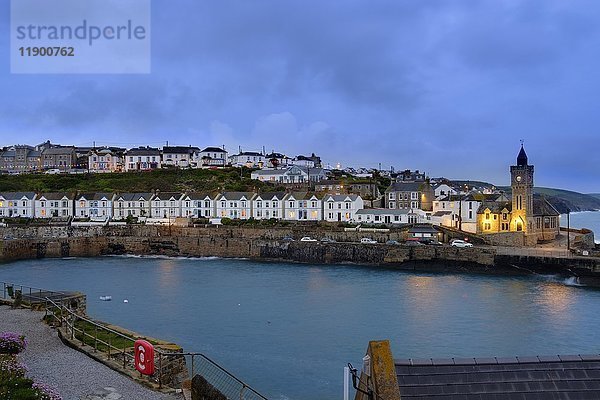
x=447, y=87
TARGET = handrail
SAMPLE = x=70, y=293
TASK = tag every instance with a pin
x=64, y=315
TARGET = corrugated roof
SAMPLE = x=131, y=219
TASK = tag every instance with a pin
x=523, y=378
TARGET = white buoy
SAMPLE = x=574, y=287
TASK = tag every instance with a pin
x=125, y=301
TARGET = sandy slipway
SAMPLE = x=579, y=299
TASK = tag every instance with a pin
x=75, y=375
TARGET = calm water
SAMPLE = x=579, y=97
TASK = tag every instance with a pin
x=289, y=329
x=584, y=219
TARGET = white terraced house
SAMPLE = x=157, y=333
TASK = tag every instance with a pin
x=197, y=205
x=234, y=205
x=131, y=204
x=17, y=204
x=97, y=206
x=303, y=206
x=387, y=216
x=268, y=205
x=52, y=205
x=166, y=205
x=341, y=208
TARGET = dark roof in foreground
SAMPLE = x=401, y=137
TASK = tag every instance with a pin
x=523, y=378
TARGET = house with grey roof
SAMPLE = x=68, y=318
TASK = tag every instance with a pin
x=20, y=159
x=409, y=195
x=179, y=156
x=96, y=206
x=142, y=159
x=54, y=205
x=166, y=205
x=234, y=205
x=131, y=204
x=341, y=208
x=198, y=205
x=63, y=158
x=269, y=205
x=289, y=175
x=304, y=206
x=212, y=157
x=17, y=204
x=250, y=159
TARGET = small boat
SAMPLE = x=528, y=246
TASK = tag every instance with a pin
x=106, y=298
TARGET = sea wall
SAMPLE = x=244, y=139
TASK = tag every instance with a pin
x=268, y=244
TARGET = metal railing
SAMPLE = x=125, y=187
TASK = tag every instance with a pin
x=221, y=379
x=9, y=290
x=119, y=347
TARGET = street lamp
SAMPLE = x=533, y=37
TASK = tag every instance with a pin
x=568, y=229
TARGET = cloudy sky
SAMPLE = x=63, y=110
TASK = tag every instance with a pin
x=448, y=87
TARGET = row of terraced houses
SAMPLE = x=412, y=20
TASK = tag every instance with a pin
x=292, y=206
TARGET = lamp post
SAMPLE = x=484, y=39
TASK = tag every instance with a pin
x=568, y=229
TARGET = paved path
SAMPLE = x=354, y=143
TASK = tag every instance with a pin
x=75, y=375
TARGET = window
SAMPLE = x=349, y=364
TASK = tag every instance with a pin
x=495, y=217
x=259, y=204
x=392, y=204
x=392, y=196
x=487, y=215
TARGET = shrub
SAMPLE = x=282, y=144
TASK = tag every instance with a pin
x=12, y=343
x=46, y=392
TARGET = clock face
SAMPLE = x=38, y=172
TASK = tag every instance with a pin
x=518, y=178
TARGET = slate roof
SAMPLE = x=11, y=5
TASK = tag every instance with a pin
x=541, y=207
x=306, y=195
x=423, y=229
x=94, y=196
x=523, y=378
x=59, y=150
x=213, y=150
x=56, y=196
x=143, y=151
x=441, y=213
x=271, y=195
x=167, y=195
x=340, y=197
x=198, y=196
x=495, y=207
x=17, y=195
x=179, y=149
x=406, y=187
x=235, y=195
x=133, y=196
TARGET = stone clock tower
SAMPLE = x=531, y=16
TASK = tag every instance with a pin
x=522, y=194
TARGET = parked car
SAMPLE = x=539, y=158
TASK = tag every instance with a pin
x=308, y=239
x=53, y=171
x=460, y=243
x=392, y=242
x=327, y=240
x=288, y=239
x=432, y=242
x=368, y=241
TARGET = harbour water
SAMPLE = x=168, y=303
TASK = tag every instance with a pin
x=584, y=219
x=289, y=329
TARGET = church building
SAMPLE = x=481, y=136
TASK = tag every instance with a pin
x=530, y=216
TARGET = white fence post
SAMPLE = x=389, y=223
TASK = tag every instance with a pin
x=346, y=383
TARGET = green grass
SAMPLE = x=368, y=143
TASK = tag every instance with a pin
x=165, y=180
x=116, y=341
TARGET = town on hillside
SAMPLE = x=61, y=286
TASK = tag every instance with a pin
x=312, y=193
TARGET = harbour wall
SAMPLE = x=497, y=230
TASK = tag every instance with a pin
x=267, y=244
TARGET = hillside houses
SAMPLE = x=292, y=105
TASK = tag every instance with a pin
x=290, y=175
